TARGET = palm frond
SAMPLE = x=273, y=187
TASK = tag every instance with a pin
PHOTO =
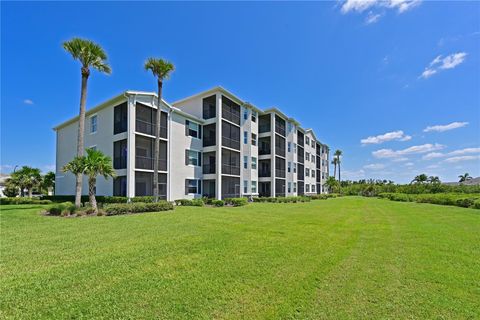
x=89, y=53
x=160, y=68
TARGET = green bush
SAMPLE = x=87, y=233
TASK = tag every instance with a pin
x=447, y=199
x=236, y=202
x=135, y=207
x=190, y=202
x=22, y=200
x=61, y=209
x=476, y=204
x=217, y=203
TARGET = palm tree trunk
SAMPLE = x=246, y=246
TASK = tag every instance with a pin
x=81, y=133
x=335, y=171
x=339, y=179
x=30, y=192
x=91, y=193
x=157, y=143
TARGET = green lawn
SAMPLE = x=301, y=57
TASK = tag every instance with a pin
x=339, y=258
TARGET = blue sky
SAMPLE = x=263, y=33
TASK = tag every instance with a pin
x=381, y=72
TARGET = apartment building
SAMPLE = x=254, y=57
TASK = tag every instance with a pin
x=212, y=144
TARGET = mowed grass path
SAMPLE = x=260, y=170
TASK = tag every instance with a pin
x=340, y=258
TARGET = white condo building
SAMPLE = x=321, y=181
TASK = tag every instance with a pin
x=212, y=144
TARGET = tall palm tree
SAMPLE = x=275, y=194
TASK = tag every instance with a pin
x=464, y=177
x=92, y=165
x=161, y=69
x=331, y=183
x=90, y=55
x=335, y=162
x=434, y=179
x=338, y=154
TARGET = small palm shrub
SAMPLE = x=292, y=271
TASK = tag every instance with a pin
x=217, y=203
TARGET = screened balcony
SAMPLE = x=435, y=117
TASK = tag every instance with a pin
x=145, y=121
x=144, y=154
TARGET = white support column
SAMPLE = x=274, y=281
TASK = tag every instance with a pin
x=169, y=158
x=131, y=147
x=272, y=128
x=218, y=171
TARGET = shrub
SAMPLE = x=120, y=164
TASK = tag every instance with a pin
x=190, y=202
x=476, y=204
x=135, y=207
x=236, y=202
x=23, y=201
x=217, y=203
x=446, y=199
x=61, y=209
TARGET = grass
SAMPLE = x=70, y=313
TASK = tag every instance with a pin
x=342, y=258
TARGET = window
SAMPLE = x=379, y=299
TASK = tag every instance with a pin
x=245, y=137
x=313, y=188
x=294, y=168
x=307, y=172
x=307, y=156
x=313, y=158
x=254, y=139
x=192, y=186
x=313, y=146
x=93, y=124
x=294, y=148
x=254, y=163
x=245, y=114
x=307, y=140
x=307, y=188
x=120, y=118
x=192, y=158
x=192, y=129
x=289, y=168
x=245, y=186
x=254, y=186
x=290, y=128
x=313, y=173
x=289, y=187
x=289, y=147
x=245, y=162
x=294, y=187
x=254, y=119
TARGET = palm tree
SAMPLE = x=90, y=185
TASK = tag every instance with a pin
x=76, y=167
x=331, y=183
x=90, y=55
x=338, y=154
x=27, y=178
x=335, y=162
x=421, y=178
x=48, y=181
x=161, y=69
x=434, y=179
x=464, y=177
x=92, y=165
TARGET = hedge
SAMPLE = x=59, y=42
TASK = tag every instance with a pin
x=135, y=207
x=100, y=199
x=465, y=200
x=236, y=202
x=21, y=200
x=190, y=202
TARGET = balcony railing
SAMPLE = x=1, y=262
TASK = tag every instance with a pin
x=264, y=151
x=208, y=168
x=149, y=128
x=280, y=129
x=147, y=163
x=227, y=142
x=264, y=174
x=280, y=151
x=209, y=141
x=264, y=128
x=230, y=116
x=228, y=169
x=280, y=173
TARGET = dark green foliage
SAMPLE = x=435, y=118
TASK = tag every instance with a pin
x=446, y=199
x=23, y=201
x=324, y=196
x=236, y=202
x=135, y=207
x=61, y=209
x=286, y=199
x=217, y=203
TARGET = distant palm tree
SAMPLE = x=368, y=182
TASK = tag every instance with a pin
x=161, y=69
x=89, y=54
x=464, y=177
x=27, y=178
x=335, y=162
x=433, y=179
x=421, y=178
x=92, y=165
x=338, y=154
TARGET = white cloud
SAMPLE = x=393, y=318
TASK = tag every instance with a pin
x=353, y=175
x=433, y=166
x=372, y=17
x=424, y=148
x=28, y=101
x=459, y=152
x=461, y=158
x=446, y=127
x=439, y=63
x=361, y=5
x=374, y=166
x=394, y=135
x=400, y=159
x=409, y=164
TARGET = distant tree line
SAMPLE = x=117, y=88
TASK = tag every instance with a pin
x=27, y=180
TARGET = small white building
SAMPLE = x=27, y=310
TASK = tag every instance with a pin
x=212, y=144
